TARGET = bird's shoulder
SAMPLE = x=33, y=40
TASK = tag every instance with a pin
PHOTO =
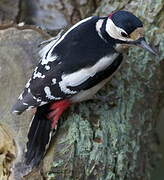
x=67, y=62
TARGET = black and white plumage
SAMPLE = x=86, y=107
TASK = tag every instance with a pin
x=74, y=67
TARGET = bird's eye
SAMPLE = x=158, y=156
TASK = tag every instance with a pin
x=124, y=34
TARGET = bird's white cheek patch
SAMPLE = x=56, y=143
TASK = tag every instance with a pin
x=115, y=31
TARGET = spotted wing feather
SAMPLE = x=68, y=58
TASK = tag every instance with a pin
x=66, y=57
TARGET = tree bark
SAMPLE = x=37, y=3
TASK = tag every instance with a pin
x=99, y=142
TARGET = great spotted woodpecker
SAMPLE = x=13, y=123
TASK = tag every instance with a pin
x=72, y=69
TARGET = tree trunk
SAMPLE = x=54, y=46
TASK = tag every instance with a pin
x=114, y=140
x=99, y=142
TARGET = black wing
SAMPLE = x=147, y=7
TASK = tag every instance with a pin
x=67, y=64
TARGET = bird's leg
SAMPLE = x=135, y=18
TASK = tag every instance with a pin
x=57, y=108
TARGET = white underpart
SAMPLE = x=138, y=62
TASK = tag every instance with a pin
x=88, y=94
x=37, y=74
x=78, y=77
x=98, y=27
x=115, y=31
x=50, y=47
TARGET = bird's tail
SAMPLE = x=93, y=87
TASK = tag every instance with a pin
x=43, y=127
x=39, y=136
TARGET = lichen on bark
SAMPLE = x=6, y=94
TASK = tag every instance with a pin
x=100, y=142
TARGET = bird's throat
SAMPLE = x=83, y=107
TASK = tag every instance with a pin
x=122, y=48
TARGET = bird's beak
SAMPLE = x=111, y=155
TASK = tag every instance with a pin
x=141, y=42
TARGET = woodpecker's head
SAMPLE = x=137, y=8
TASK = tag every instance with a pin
x=125, y=28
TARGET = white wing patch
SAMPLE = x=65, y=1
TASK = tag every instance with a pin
x=37, y=74
x=47, y=67
x=63, y=87
x=73, y=27
x=54, y=81
x=78, y=77
x=49, y=95
x=49, y=58
x=46, y=48
x=45, y=58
